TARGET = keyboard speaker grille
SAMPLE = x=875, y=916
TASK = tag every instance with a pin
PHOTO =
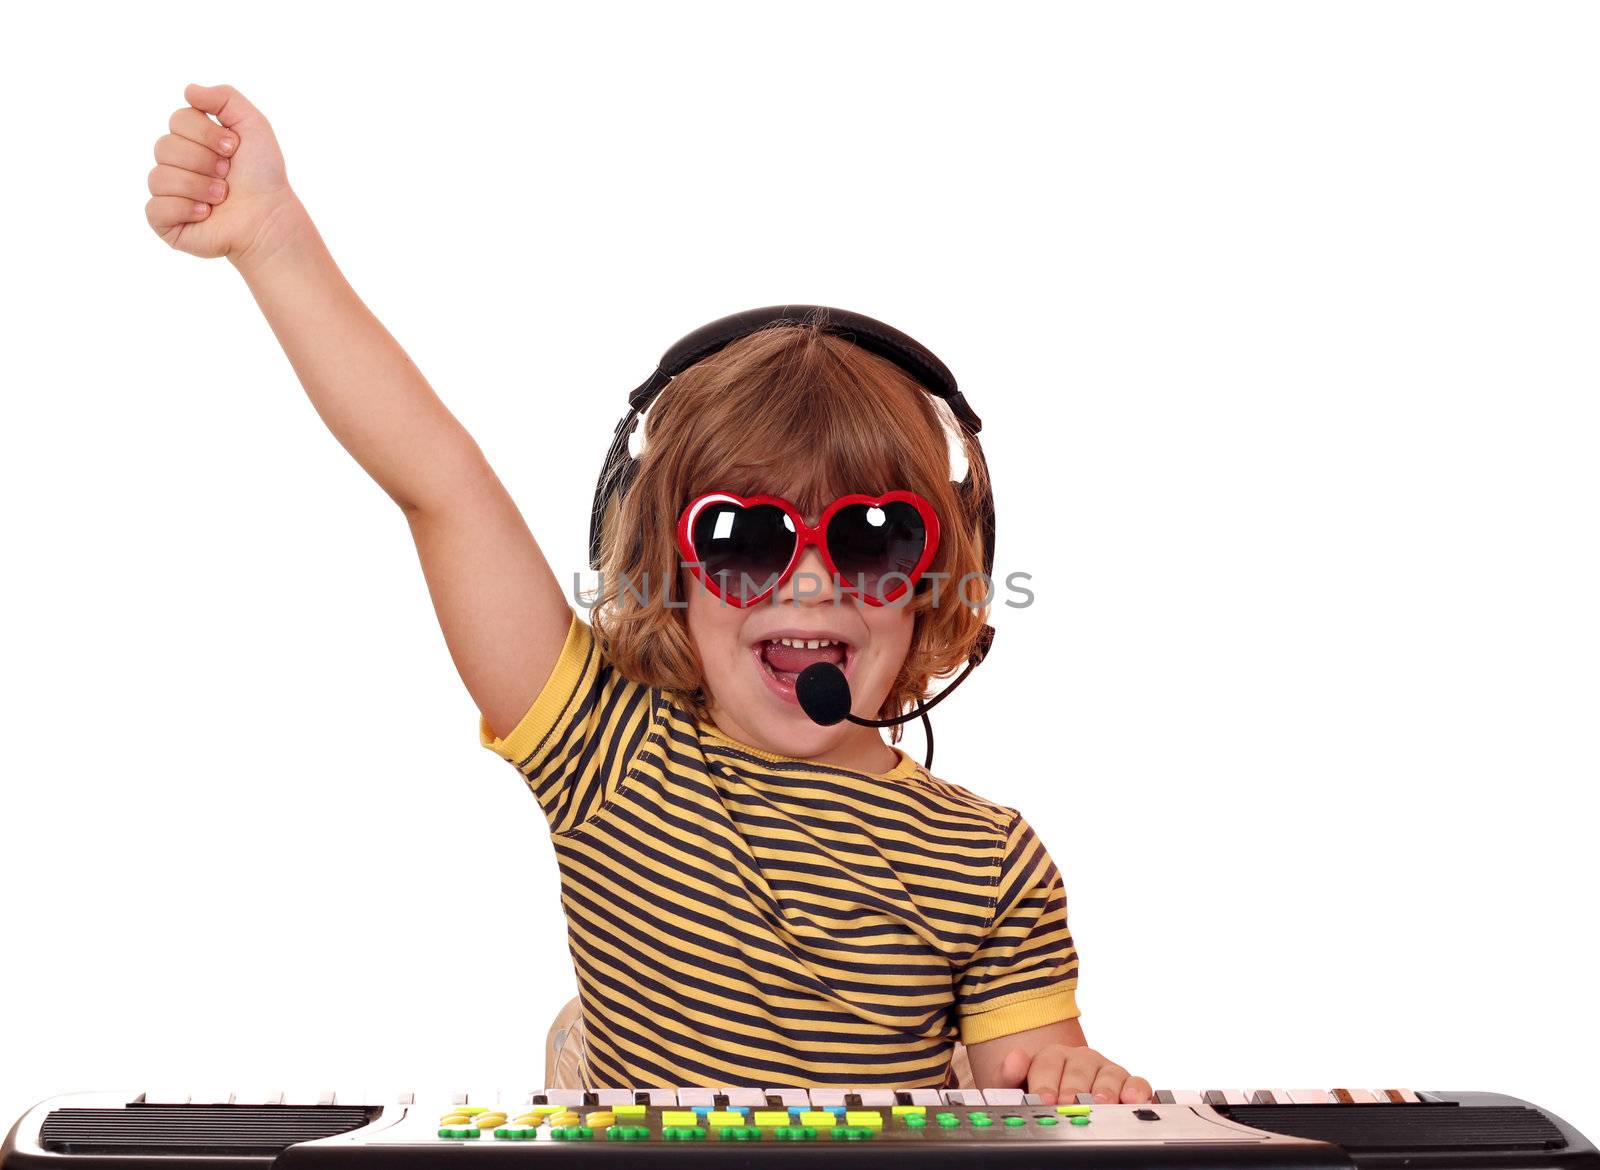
x=1380, y=1128
x=195, y=1129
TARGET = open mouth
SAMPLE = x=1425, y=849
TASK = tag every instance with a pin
x=781, y=660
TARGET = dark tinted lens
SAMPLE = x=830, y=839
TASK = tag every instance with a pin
x=870, y=541
x=743, y=549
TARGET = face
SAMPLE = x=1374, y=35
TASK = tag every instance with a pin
x=751, y=696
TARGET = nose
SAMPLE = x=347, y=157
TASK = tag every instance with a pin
x=810, y=583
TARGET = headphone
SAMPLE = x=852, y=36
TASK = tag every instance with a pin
x=620, y=467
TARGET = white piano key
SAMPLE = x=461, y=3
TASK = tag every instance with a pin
x=569, y=1097
x=1406, y=1095
x=793, y=1096
x=928, y=1097
x=1086, y=1099
x=210, y=1096
x=748, y=1097
x=1362, y=1096
x=876, y=1098
x=1027, y=1099
x=1310, y=1097
x=488, y=1097
x=972, y=1098
x=822, y=1098
x=1235, y=1097
x=1179, y=1097
x=1002, y=1097
x=159, y=1096
x=690, y=1097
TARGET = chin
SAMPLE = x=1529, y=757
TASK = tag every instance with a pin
x=787, y=730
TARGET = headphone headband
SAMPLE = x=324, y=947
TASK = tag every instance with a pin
x=873, y=336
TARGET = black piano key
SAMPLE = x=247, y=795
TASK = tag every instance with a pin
x=1215, y=1097
x=1165, y=1097
x=853, y=1101
x=719, y=1100
x=902, y=1096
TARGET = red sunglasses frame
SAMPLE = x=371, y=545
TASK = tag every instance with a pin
x=807, y=535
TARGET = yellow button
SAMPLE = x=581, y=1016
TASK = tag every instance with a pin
x=599, y=1118
x=902, y=1110
x=821, y=1117
x=490, y=1120
x=773, y=1117
x=469, y=1110
x=564, y=1118
x=863, y=1117
x=724, y=1117
x=629, y=1110
x=679, y=1117
x=1075, y=1110
x=454, y=1119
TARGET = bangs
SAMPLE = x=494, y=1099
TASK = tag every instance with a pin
x=821, y=420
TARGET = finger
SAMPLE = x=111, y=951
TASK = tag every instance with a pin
x=229, y=105
x=1013, y=1069
x=165, y=180
x=190, y=123
x=1108, y=1082
x=165, y=212
x=1044, y=1074
x=1136, y=1091
x=177, y=151
x=1078, y=1076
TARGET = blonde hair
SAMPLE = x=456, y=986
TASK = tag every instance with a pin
x=800, y=413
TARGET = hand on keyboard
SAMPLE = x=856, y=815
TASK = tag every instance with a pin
x=1058, y=1073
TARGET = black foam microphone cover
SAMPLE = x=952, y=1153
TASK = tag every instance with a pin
x=824, y=693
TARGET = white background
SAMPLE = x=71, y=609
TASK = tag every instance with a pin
x=1281, y=320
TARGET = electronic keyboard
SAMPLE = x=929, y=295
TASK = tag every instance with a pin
x=748, y=1127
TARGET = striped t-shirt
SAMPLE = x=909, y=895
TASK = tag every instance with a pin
x=738, y=917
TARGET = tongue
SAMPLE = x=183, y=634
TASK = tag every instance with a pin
x=793, y=659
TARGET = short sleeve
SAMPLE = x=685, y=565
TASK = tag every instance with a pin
x=575, y=743
x=1024, y=973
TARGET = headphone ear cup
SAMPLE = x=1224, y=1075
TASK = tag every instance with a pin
x=610, y=515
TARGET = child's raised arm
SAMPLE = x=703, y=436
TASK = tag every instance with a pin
x=222, y=191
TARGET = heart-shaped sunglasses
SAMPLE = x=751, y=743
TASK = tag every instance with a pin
x=742, y=549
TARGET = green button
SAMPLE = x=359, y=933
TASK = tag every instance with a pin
x=971, y=1113
x=981, y=1121
x=1046, y=1119
x=1016, y=1121
x=627, y=1133
x=852, y=1133
x=913, y=1121
x=1080, y=1120
x=947, y=1120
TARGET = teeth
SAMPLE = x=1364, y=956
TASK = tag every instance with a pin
x=806, y=643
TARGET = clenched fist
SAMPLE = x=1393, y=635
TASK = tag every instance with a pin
x=219, y=190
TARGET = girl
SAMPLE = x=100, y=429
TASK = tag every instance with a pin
x=751, y=898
